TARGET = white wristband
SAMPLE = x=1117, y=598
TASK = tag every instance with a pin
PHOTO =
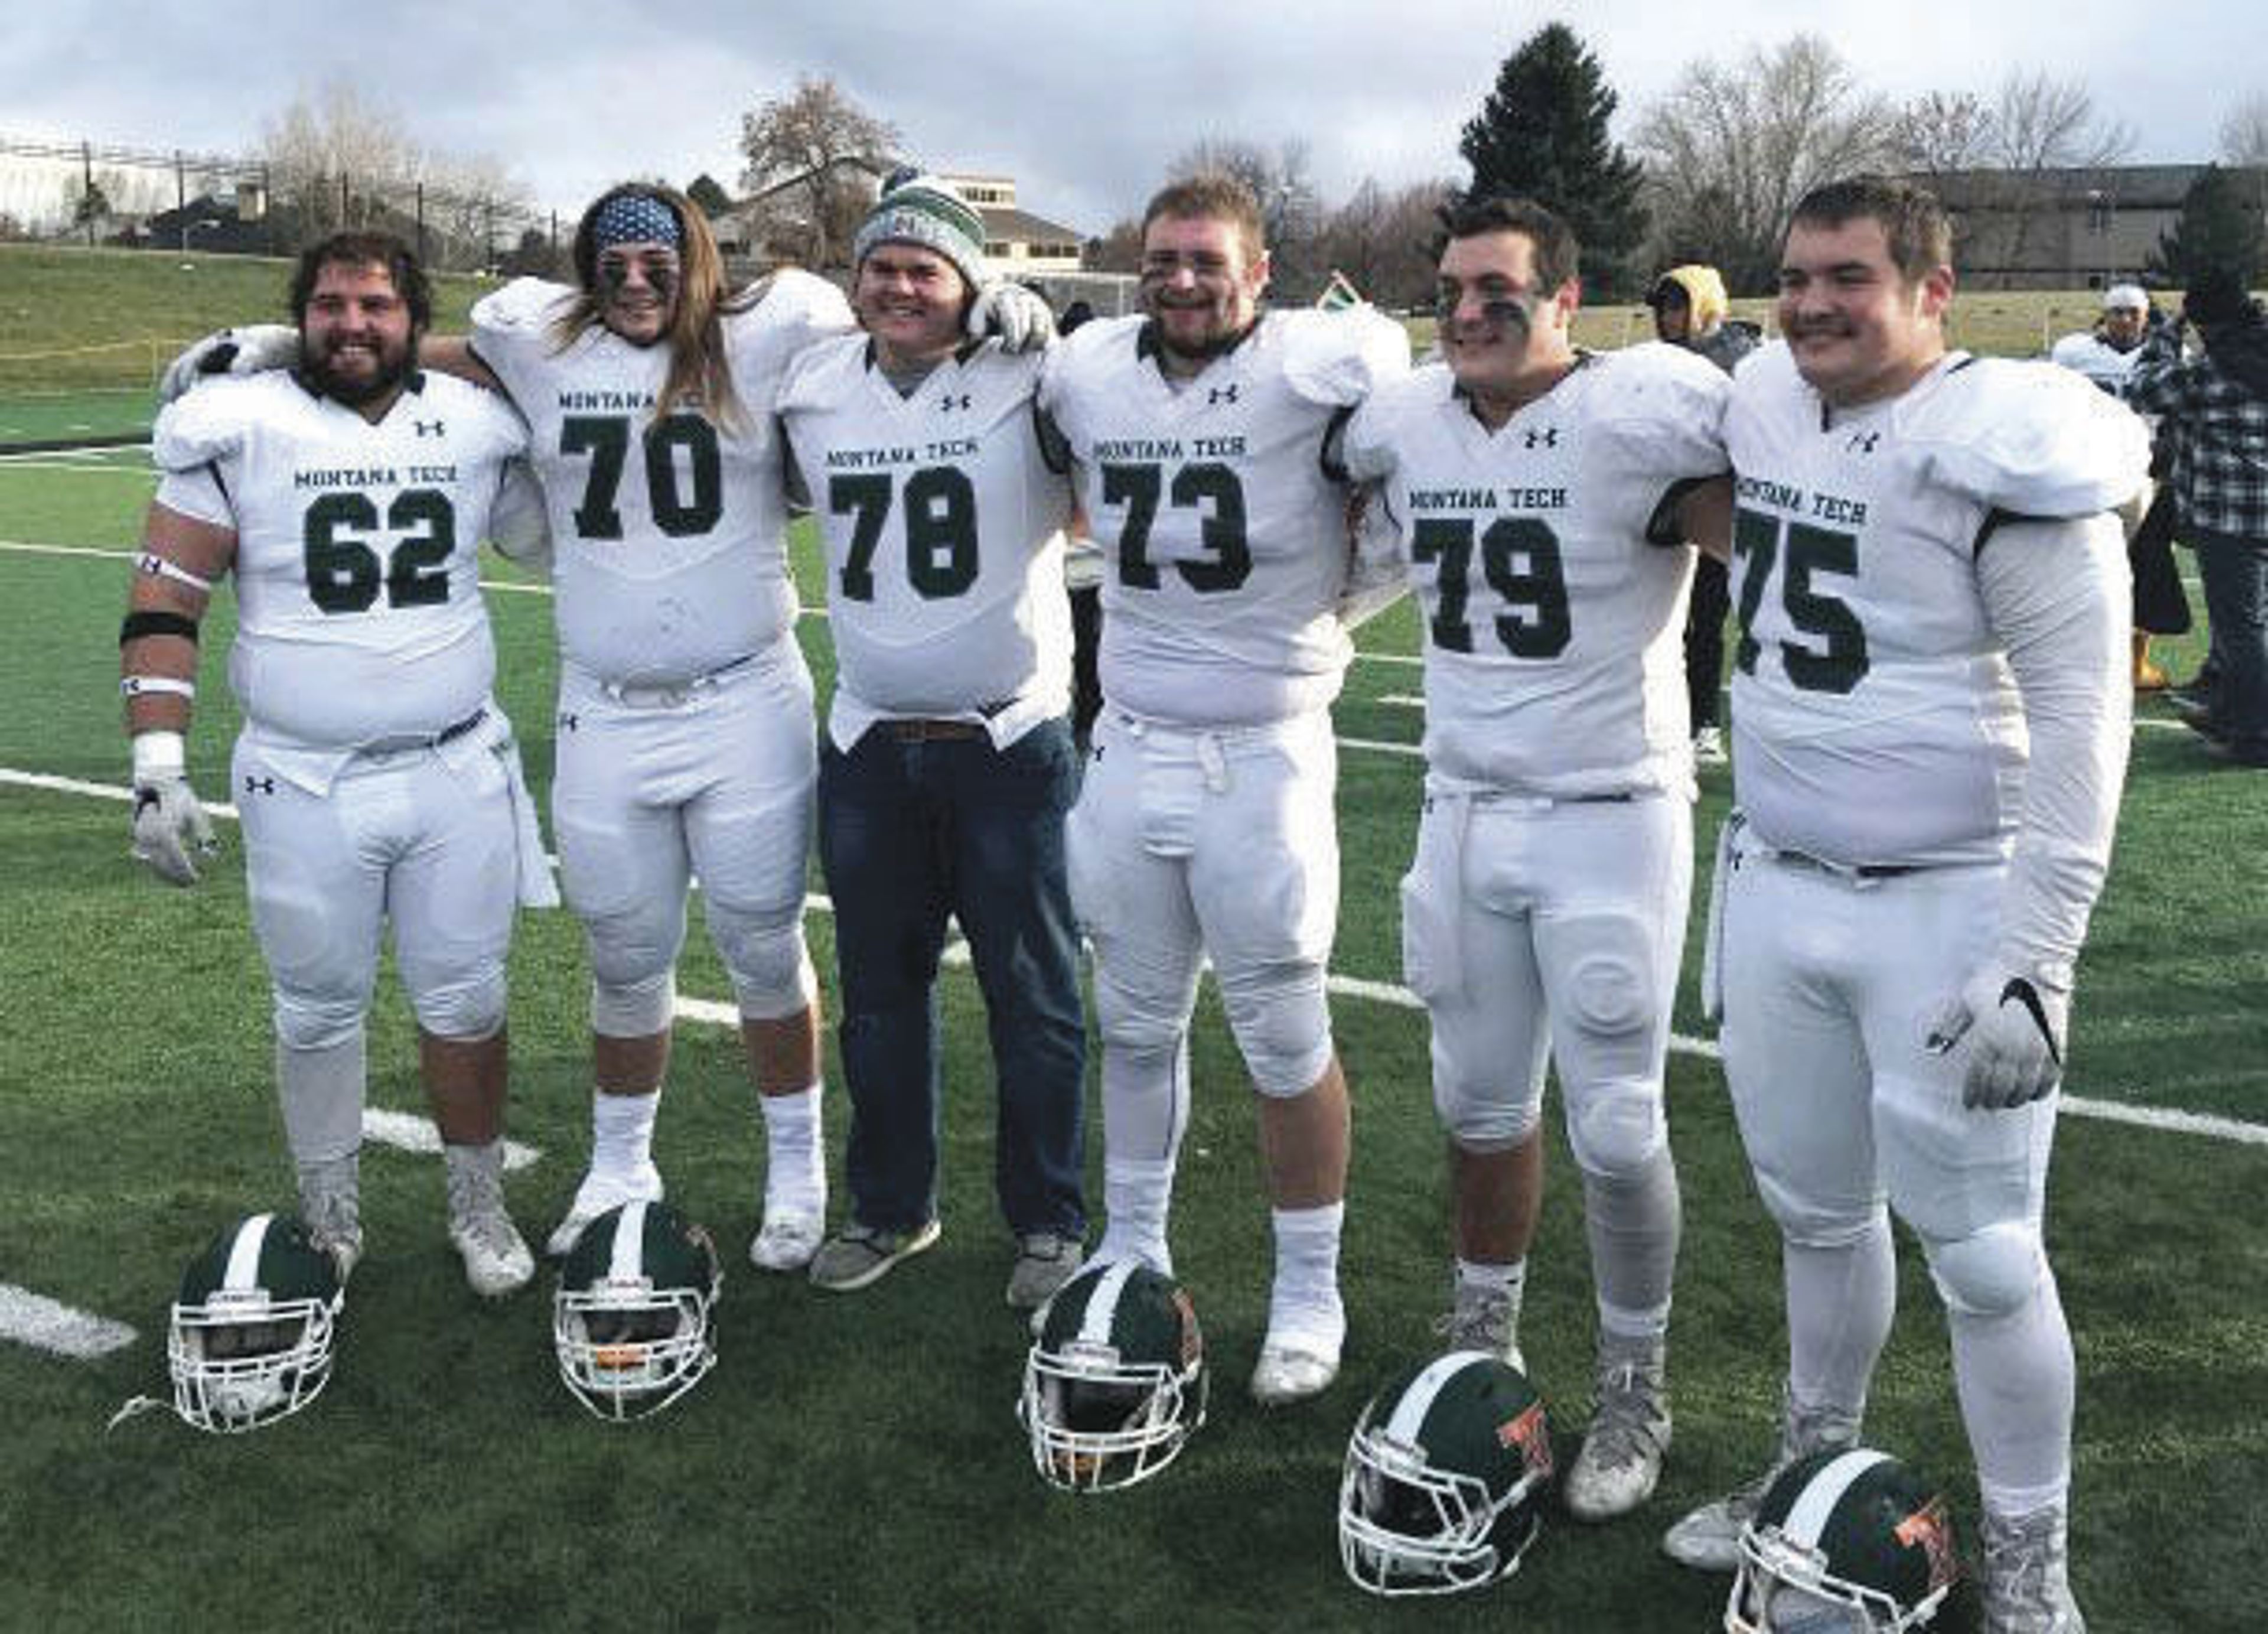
x=135, y=686
x=161, y=567
x=159, y=755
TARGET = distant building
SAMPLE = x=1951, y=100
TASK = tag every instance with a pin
x=1017, y=243
x=2061, y=229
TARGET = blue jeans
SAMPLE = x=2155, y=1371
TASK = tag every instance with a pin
x=910, y=831
x=2236, y=574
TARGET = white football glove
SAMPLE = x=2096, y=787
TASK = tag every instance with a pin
x=171, y=830
x=249, y=350
x=2014, y=1025
x=1020, y=318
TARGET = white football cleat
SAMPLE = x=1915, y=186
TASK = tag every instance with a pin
x=787, y=1240
x=1293, y=1370
x=1621, y=1458
x=497, y=1260
x=594, y=1196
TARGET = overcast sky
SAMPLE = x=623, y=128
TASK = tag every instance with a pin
x=1084, y=104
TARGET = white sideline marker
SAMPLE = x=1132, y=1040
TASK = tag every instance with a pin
x=49, y=1325
x=406, y=1131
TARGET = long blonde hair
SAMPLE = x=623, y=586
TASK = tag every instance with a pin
x=700, y=375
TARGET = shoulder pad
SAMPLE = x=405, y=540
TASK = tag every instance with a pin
x=1339, y=358
x=2030, y=437
x=1655, y=382
x=524, y=305
x=795, y=299
x=493, y=411
x=200, y=427
x=806, y=381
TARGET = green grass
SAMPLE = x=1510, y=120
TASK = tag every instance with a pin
x=853, y=1461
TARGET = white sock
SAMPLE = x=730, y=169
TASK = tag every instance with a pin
x=795, y=1167
x=622, y=1133
x=1138, y=1198
x=2015, y=1376
x=1305, y=1300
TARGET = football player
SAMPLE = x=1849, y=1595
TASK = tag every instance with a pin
x=1544, y=496
x=377, y=781
x=1204, y=823
x=1930, y=718
x=948, y=764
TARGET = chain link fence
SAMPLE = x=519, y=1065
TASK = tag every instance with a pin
x=100, y=194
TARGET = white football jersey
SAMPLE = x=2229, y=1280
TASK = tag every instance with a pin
x=2095, y=358
x=670, y=535
x=1553, y=658
x=1224, y=539
x=943, y=534
x=1874, y=717
x=358, y=582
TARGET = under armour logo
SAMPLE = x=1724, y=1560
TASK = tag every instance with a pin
x=1220, y=394
x=428, y=428
x=949, y=403
x=259, y=785
x=1546, y=438
x=568, y=722
x=1862, y=442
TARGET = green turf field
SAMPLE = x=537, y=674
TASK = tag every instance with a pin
x=853, y=1461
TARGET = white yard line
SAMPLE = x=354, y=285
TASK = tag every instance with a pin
x=406, y=1132
x=50, y=1325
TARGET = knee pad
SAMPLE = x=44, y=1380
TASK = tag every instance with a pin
x=1808, y=1223
x=638, y=1009
x=771, y=974
x=1282, y=1025
x=630, y=948
x=1616, y=1129
x=310, y=1020
x=1991, y=1272
x=1485, y=1124
x=1144, y=1025
x=466, y=1010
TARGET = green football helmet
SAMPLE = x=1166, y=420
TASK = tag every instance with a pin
x=1446, y=1479
x=633, y=1322
x=1115, y=1384
x=248, y=1342
x=1844, y=1542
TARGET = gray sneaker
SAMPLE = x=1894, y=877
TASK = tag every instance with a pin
x=497, y=1260
x=2027, y=1589
x=1620, y=1459
x=1044, y=1263
x=1482, y=1319
x=858, y=1255
x=330, y=1207
x=1708, y=1539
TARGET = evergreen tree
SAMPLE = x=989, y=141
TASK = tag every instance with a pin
x=2219, y=232
x=1542, y=134
x=710, y=196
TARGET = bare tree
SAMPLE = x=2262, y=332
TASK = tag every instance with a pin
x=804, y=155
x=1384, y=242
x=1753, y=137
x=2039, y=126
x=341, y=160
x=2244, y=132
x=1943, y=132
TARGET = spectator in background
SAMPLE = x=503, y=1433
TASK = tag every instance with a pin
x=1690, y=310
x=2105, y=355
x=2216, y=400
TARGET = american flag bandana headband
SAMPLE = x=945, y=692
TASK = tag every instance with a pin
x=634, y=218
